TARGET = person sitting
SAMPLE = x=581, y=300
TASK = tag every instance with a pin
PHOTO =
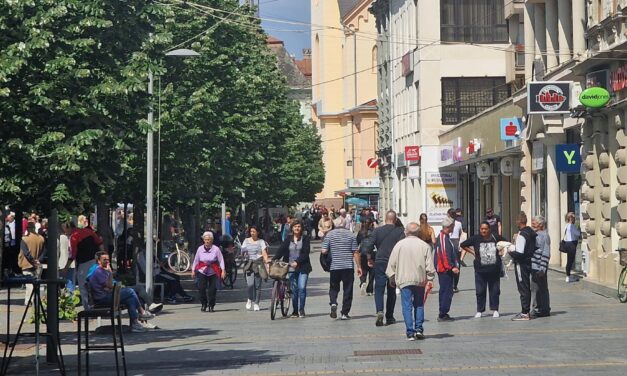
x=100, y=282
x=172, y=282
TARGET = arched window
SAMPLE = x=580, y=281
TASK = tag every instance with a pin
x=374, y=60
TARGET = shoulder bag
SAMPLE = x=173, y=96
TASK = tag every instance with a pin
x=563, y=246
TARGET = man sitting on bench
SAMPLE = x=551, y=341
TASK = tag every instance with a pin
x=172, y=282
x=101, y=286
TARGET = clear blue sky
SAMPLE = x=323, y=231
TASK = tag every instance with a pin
x=293, y=10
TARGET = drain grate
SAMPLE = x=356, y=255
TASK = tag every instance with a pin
x=388, y=352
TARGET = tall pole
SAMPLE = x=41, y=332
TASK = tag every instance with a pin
x=149, y=191
x=52, y=312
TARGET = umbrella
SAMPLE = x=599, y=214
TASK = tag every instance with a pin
x=360, y=202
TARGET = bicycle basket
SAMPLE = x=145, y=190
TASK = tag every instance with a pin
x=278, y=269
x=623, y=257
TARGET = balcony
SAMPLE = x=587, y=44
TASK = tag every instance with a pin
x=513, y=7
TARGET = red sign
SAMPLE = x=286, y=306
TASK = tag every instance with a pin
x=618, y=79
x=511, y=129
x=412, y=153
x=373, y=162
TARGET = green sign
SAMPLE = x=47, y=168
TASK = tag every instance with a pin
x=594, y=97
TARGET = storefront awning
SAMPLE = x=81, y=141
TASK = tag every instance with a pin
x=358, y=191
x=510, y=152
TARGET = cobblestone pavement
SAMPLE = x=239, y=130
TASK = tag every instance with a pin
x=586, y=335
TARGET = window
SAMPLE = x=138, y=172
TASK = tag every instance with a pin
x=465, y=97
x=476, y=21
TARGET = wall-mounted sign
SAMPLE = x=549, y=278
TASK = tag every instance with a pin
x=594, y=97
x=373, y=162
x=548, y=97
x=567, y=158
x=407, y=62
x=413, y=172
x=400, y=160
x=446, y=155
x=511, y=129
x=457, y=150
x=618, y=79
x=484, y=171
x=537, y=156
x=599, y=78
x=441, y=189
x=507, y=166
x=362, y=183
x=412, y=153
x=474, y=146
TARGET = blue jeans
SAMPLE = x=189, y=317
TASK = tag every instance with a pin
x=380, y=287
x=298, y=284
x=412, y=300
x=129, y=298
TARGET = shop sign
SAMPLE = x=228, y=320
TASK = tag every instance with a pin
x=441, y=190
x=407, y=63
x=484, y=171
x=567, y=158
x=373, y=162
x=362, y=183
x=550, y=97
x=594, y=97
x=400, y=160
x=511, y=129
x=618, y=79
x=412, y=153
x=474, y=146
x=446, y=155
x=507, y=166
x=413, y=172
x=537, y=156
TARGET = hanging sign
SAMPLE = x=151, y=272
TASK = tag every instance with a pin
x=483, y=171
x=510, y=129
x=567, y=158
x=507, y=166
x=548, y=97
x=594, y=97
x=412, y=153
x=413, y=172
x=373, y=162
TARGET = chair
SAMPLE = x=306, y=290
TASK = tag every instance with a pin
x=138, y=277
x=114, y=312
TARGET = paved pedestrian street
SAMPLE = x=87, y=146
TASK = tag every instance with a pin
x=586, y=335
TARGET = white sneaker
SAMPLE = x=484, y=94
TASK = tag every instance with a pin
x=137, y=327
x=567, y=279
x=398, y=291
x=155, y=307
x=496, y=314
x=478, y=315
x=249, y=304
x=146, y=316
x=257, y=307
x=148, y=325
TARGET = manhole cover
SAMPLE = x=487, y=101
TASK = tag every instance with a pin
x=388, y=352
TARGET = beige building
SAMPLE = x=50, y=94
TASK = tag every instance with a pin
x=344, y=97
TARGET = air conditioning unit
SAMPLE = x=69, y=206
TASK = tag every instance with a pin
x=495, y=168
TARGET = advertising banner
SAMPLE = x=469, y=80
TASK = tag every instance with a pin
x=441, y=194
x=548, y=97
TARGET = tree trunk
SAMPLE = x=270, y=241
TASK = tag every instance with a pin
x=104, y=225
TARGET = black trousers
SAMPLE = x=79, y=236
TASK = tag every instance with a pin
x=488, y=283
x=456, y=276
x=523, y=281
x=172, y=283
x=542, y=294
x=570, y=256
x=347, y=278
x=367, y=275
x=207, y=286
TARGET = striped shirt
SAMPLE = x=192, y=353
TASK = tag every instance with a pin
x=540, y=258
x=342, y=243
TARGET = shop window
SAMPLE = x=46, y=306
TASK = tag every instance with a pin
x=475, y=21
x=539, y=195
x=464, y=97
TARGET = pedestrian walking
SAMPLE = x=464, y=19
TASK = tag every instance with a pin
x=325, y=224
x=539, y=268
x=488, y=265
x=208, y=266
x=342, y=245
x=525, y=248
x=64, y=255
x=411, y=268
x=365, y=241
x=447, y=266
x=571, y=238
x=32, y=254
x=385, y=238
x=426, y=232
x=256, y=269
x=455, y=236
x=295, y=250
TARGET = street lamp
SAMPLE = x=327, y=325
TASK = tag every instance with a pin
x=150, y=174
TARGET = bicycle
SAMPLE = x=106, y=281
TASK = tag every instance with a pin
x=179, y=261
x=230, y=266
x=281, y=297
x=622, y=280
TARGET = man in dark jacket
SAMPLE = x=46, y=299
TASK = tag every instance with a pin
x=385, y=238
x=525, y=248
x=447, y=266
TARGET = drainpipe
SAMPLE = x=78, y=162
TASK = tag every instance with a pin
x=355, y=97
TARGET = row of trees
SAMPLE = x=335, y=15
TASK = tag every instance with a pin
x=73, y=104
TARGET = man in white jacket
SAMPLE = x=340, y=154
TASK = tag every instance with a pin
x=412, y=270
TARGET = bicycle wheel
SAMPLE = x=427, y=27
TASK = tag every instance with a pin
x=179, y=262
x=622, y=286
x=285, y=299
x=273, y=300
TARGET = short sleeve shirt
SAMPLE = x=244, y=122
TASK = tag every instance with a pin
x=342, y=243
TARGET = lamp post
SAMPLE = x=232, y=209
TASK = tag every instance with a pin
x=150, y=175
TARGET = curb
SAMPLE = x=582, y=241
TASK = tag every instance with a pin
x=596, y=288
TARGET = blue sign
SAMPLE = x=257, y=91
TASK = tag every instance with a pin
x=511, y=129
x=567, y=158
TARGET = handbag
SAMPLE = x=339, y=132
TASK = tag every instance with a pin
x=278, y=269
x=563, y=246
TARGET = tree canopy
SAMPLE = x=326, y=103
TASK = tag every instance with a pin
x=73, y=104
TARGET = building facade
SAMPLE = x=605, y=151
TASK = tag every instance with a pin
x=344, y=93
